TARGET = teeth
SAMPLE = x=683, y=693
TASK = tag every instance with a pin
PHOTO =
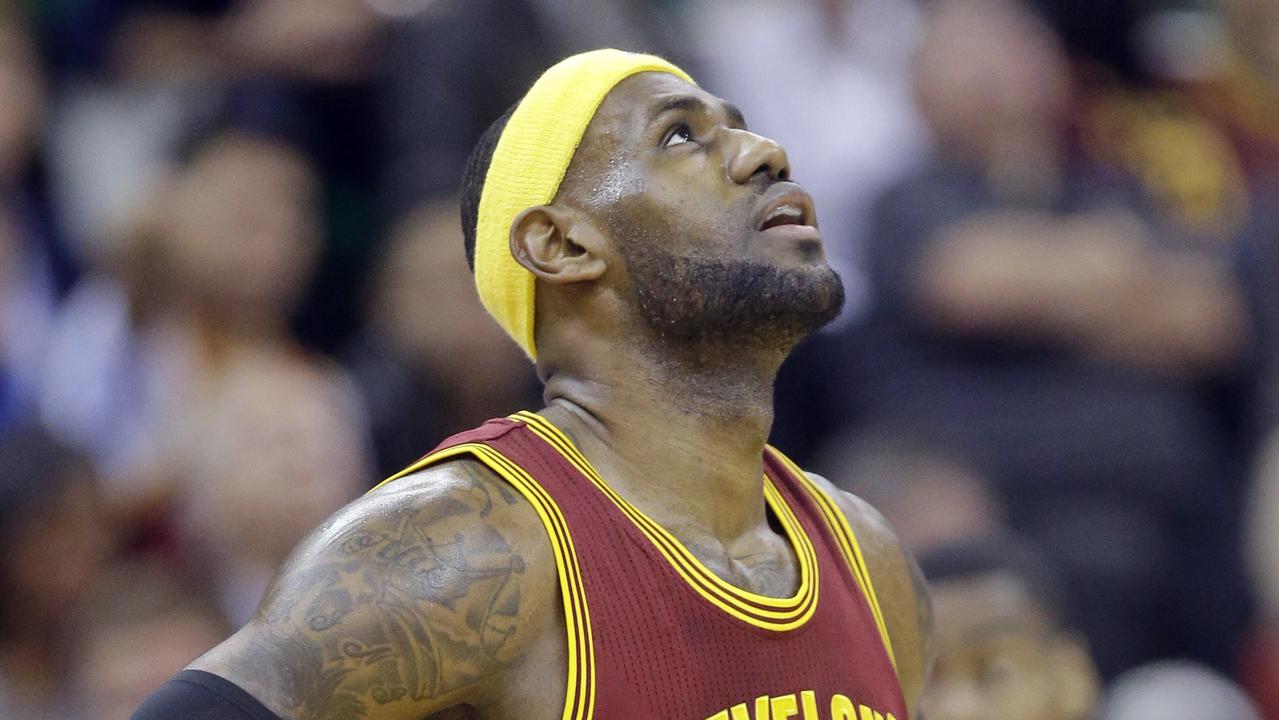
x=788, y=211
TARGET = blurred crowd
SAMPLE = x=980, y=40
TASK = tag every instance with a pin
x=233, y=297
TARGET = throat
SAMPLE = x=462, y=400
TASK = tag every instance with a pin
x=681, y=437
x=689, y=463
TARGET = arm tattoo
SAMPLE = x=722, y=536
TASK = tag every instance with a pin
x=412, y=602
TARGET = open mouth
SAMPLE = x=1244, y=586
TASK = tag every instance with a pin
x=790, y=207
x=785, y=214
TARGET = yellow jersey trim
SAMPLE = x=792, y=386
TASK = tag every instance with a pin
x=579, y=692
x=847, y=540
x=777, y=614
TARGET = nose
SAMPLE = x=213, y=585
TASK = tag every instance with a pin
x=750, y=154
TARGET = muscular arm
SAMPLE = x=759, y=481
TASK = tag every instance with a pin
x=1087, y=280
x=414, y=599
x=900, y=587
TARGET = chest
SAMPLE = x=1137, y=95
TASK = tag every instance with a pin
x=652, y=630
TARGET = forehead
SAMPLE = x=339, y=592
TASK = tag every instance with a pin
x=970, y=609
x=636, y=96
x=631, y=105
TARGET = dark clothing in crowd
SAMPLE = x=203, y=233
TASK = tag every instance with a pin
x=1125, y=474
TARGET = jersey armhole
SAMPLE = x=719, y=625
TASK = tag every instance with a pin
x=848, y=545
x=579, y=689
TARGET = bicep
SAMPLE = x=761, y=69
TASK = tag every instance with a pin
x=403, y=604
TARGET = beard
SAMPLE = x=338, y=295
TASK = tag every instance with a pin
x=696, y=303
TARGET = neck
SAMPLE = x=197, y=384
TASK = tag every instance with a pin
x=682, y=439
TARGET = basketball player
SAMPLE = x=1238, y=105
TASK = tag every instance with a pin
x=634, y=549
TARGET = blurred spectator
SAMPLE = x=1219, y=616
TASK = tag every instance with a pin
x=56, y=538
x=321, y=40
x=1006, y=643
x=454, y=67
x=142, y=624
x=1255, y=25
x=1175, y=689
x=1232, y=79
x=429, y=362
x=1059, y=312
x=930, y=500
x=1263, y=527
x=1032, y=321
x=830, y=81
x=1251, y=91
x=1261, y=662
x=137, y=73
x=217, y=265
x=284, y=446
x=32, y=271
x=451, y=71
x=240, y=233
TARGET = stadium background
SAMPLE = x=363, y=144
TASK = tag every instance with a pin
x=232, y=293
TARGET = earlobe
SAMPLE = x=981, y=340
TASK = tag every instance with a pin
x=557, y=246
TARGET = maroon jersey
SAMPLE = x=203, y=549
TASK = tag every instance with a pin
x=652, y=633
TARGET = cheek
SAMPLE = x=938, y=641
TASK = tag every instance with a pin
x=684, y=219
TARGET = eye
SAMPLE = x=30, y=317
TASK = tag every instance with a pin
x=678, y=135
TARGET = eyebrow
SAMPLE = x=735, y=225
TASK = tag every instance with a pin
x=692, y=102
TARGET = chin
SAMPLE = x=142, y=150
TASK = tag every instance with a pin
x=740, y=304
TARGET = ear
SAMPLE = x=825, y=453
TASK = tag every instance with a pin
x=1077, y=686
x=556, y=245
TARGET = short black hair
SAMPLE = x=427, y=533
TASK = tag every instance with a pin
x=1005, y=553
x=477, y=168
x=258, y=109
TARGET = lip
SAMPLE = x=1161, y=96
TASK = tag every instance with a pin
x=787, y=193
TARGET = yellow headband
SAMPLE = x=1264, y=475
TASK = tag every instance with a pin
x=528, y=164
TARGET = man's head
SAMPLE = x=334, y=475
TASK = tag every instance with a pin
x=275, y=416
x=674, y=227
x=139, y=624
x=22, y=85
x=239, y=225
x=1005, y=648
x=989, y=73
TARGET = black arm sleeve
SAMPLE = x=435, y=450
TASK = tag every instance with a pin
x=198, y=695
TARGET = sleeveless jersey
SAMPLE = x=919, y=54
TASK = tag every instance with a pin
x=654, y=634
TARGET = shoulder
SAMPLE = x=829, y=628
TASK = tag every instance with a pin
x=420, y=596
x=899, y=586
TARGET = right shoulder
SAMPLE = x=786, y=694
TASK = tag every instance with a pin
x=417, y=597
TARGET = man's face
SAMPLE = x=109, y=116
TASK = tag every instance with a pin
x=716, y=245
x=23, y=90
x=999, y=657
x=242, y=225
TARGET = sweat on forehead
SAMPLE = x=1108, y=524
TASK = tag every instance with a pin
x=596, y=173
